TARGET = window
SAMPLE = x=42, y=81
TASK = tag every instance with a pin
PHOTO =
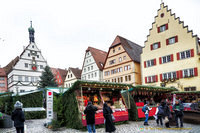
x=26, y=65
x=37, y=56
x=185, y=54
x=88, y=53
x=190, y=89
x=166, y=59
x=162, y=28
x=113, y=71
x=32, y=79
x=84, y=69
x=169, y=75
x=119, y=69
x=41, y=67
x=22, y=90
x=112, y=62
x=68, y=76
x=188, y=73
x=88, y=76
x=119, y=48
x=124, y=58
x=91, y=67
x=71, y=75
x=95, y=74
x=88, y=68
x=107, y=73
x=36, y=79
x=19, y=78
x=129, y=77
x=32, y=46
x=26, y=78
x=172, y=40
x=2, y=78
x=2, y=84
x=28, y=55
x=118, y=80
x=126, y=78
x=150, y=63
x=155, y=46
x=113, y=50
x=127, y=67
x=151, y=79
x=121, y=79
x=120, y=59
x=92, y=75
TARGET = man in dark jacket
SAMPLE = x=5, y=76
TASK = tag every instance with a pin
x=166, y=114
x=178, y=109
x=18, y=117
x=90, y=111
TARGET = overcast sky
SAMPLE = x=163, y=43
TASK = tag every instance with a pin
x=65, y=28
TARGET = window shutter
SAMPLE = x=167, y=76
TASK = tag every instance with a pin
x=145, y=64
x=158, y=44
x=160, y=60
x=156, y=78
x=160, y=77
x=145, y=79
x=166, y=26
x=158, y=29
x=177, y=74
x=172, y=57
x=176, y=38
x=181, y=73
x=167, y=41
x=151, y=46
x=178, y=56
x=154, y=61
x=192, y=52
x=195, y=71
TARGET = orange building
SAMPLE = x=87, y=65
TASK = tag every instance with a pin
x=60, y=75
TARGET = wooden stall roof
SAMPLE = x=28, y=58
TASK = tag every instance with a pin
x=185, y=92
x=152, y=88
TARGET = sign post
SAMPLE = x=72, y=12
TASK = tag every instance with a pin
x=49, y=103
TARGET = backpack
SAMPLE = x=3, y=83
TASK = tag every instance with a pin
x=161, y=111
x=144, y=109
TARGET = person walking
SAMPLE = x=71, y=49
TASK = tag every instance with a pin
x=108, y=116
x=146, y=110
x=166, y=114
x=178, y=109
x=18, y=117
x=159, y=113
x=90, y=111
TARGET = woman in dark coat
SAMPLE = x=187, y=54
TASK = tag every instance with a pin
x=18, y=117
x=109, y=124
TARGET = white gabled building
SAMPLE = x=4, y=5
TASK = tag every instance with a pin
x=25, y=70
x=93, y=64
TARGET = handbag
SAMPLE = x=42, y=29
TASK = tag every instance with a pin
x=166, y=120
x=113, y=118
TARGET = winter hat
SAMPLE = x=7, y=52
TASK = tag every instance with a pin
x=18, y=105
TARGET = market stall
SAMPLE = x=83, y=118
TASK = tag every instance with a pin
x=154, y=94
x=76, y=98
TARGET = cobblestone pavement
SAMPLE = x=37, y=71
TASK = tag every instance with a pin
x=36, y=126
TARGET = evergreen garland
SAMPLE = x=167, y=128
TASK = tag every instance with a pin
x=47, y=78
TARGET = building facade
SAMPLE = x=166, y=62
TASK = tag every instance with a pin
x=122, y=63
x=73, y=74
x=3, y=81
x=60, y=75
x=93, y=64
x=171, y=54
x=25, y=70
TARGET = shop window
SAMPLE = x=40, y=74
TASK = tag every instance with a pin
x=112, y=62
x=155, y=46
x=185, y=54
x=166, y=59
x=163, y=28
x=190, y=89
x=172, y=40
x=150, y=63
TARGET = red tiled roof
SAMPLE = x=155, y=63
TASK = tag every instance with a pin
x=9, y=67
x=76, y=72
x=2, y=72
x=133, y=50
x=54, y=71
x=63, y=73
x=99, y=56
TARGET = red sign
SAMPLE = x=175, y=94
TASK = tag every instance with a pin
x=49, y=93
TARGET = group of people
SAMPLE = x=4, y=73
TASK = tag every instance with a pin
x=90, y=111
x=163, y=113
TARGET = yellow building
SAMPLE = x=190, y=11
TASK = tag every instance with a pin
x=171, y=56
x=122, y=63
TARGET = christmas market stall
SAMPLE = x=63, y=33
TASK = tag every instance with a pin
x=153, y=94
x=75, y=99
x=191, y=103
